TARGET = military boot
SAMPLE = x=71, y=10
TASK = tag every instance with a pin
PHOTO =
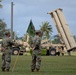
x=37, y=70
x=7, y=70
x=3, y=69
x=32, y=70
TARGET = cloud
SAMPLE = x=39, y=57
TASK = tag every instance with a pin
x=24, y=10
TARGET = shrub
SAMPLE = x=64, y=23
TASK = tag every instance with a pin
x=31, y=51
x=43, y=52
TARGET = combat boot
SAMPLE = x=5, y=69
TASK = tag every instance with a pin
x=3, y=69
x=37, y=70
x=7, y=70
x=32, y=70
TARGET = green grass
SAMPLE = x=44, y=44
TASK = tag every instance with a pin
x=51, y=65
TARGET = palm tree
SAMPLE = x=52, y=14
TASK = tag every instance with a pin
x=0, y=4
x=56, y=39
x=46, y=29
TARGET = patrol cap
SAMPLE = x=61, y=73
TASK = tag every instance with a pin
x=7, y=32
x=38, y=31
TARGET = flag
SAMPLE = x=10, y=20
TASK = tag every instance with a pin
x=31, y=29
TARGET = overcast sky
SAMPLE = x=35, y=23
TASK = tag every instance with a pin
x=25, y=10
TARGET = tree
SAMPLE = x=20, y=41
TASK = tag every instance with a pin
x=2, y=28
x=0, y=4
x=56, y=39
x=46, y=29
x=31, y=29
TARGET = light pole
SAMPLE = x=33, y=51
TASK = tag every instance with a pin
x=12, y=20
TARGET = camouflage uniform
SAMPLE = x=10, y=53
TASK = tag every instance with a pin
x=6, y=56
x=36, y=54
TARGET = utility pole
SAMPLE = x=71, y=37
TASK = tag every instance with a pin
x=12, y=20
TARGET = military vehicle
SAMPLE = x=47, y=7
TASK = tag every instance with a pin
x=52, y=49
x=68, y=42
x=63, y=29
x=19, y=49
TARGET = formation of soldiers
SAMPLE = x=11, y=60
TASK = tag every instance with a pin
x=6, y=47
x=7, y=44
x=36, y=52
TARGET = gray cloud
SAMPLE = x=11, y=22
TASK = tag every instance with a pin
x=24, y=10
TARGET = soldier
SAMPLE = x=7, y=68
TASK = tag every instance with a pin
x=36, y=53
x=6, y=56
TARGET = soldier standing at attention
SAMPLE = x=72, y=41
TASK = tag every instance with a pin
x=36, y=53
x=6, y=56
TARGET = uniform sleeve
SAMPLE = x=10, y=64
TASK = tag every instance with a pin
x=37, y=42
x=10, y=43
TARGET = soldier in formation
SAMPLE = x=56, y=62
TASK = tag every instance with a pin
x=36, y=53
x=6, y=55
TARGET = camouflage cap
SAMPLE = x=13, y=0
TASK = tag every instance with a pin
x=7, y=32
x=38, y=31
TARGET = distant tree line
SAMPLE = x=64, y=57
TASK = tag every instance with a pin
x=0, y=4
x=3, y=28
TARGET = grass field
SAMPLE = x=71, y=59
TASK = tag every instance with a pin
x=51, y=65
